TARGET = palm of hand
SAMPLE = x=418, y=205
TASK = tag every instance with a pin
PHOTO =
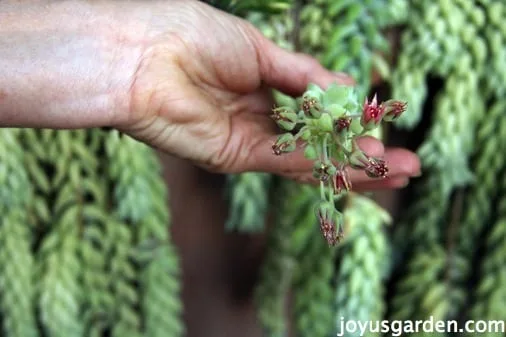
x=211, y=108
x=200, y=93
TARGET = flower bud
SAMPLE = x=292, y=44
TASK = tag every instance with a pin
x=285, y=117
x=325, y=123
x=315, y=90
x=336, y=110
x=285, y=143
x=311, y=105
x=330, y=220
x=323, y=171
x=377, y=168
x=342, y=124
x=337, y=93
x=393, y=109
x=358, y=160
x=373, y=167
x=310, y=152
x=371, y=114
x=341, y=181
x=340, y=231
x=306, y=133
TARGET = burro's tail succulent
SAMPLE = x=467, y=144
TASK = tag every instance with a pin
x=327, y=125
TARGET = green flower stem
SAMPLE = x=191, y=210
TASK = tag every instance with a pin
x=322, y=190
x=301, y=131
x=331, y=194
x=325, y=149
x=363, y=132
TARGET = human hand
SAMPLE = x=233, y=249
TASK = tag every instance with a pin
x=179, y=75
x=201, y=92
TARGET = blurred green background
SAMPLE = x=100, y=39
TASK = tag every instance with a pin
x=85, y=246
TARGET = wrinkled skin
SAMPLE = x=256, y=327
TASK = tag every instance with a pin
x=179, y=75
x=204, y=90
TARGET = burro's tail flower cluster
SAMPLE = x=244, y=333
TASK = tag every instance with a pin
x=327, y=125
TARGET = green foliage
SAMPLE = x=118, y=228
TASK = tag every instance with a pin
x=60, y=292
x=448, y=40
x=161, y=303
x=449, y=64
x=481, y=221
x=94, y=251
x=443, y=39
x=421, y=295
x=364, y=257
x=243, y=7
x=451, y=139
x=277, y=28
x=85, y=248
x=248, y=198
x=346, y=35
x=313, y=307
x=17, y=291
x=286, y=240
x=490, y=294
x=363, y=264
x=490, y=136
x=490, y=16
x=143, y=249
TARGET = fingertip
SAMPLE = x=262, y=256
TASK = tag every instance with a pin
x=403, y=161
x=371, y=146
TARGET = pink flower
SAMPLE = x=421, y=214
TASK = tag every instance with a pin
x=373, y=167
x=393, y=109
x=372, y=113
x=311, y=106
x=323, y=171
x=284, y=144
x=342, y=123
x=327, y=228
x=341, y=181
x=330, y=223
x=377, y=168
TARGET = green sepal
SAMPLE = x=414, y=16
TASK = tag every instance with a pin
x=325, y=123
x=336, y=110
x=310, y=152
x=337, y=94
x=355, y=126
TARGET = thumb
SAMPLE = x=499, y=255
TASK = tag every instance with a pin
x=291, y=72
